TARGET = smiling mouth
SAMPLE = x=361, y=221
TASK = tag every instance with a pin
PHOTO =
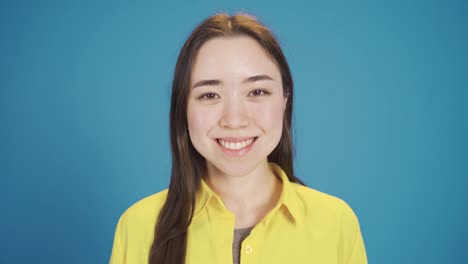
x=236, y=145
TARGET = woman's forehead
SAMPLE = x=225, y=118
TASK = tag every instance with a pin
x=233, y=59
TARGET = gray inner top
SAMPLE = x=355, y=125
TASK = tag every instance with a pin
x=239, y=236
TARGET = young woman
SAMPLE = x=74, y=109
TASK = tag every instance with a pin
x=233, y=196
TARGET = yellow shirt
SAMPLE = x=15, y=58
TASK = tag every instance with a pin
x=306, y=226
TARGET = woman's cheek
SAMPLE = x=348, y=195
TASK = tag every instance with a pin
x=201, y=119
x=268, y=115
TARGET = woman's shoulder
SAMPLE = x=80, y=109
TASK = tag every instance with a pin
x=146, y=208
x=312, y=201
x=332, y=220
x=135, y=229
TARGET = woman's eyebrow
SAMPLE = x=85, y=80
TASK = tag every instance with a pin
x=255, y=78
x=207, y=83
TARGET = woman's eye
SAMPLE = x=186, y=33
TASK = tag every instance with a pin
x=208, y=96
x=259, y=92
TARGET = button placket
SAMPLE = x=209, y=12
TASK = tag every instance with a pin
x=248, y=249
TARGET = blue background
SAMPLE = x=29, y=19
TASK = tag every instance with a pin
x=380, y=118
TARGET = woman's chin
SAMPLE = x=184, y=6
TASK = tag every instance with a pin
x=233, y=169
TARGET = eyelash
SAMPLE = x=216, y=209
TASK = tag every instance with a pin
x=204, y=96
x=263, y=91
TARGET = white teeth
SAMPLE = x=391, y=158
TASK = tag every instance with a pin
x=235, y=145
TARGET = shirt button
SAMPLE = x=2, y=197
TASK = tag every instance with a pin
x=248, y=249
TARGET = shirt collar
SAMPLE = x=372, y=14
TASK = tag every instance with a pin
x=288, y=198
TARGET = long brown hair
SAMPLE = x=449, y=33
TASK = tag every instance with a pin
x=188, y=166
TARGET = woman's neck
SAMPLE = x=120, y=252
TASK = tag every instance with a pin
x=250, y=196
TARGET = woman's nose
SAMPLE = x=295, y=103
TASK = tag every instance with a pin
x=235, y=114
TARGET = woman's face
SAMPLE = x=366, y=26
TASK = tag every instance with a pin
x=236, y=105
